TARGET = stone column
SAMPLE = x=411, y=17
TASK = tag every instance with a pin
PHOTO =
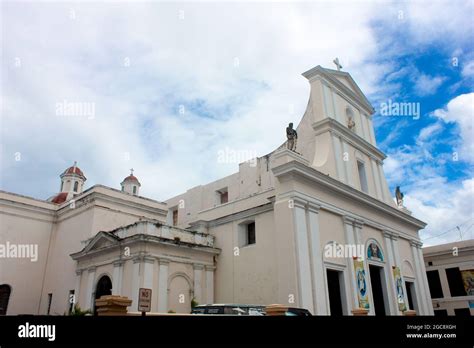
x=90, y=288
x=135, y=282
x=163, y=286
x=358, y=224
x=365, y=124
x=117, y=277
x=336, y=142
x=305, y=289
x=320, y=297
x=375, y=178
x=444, y=282
x=424, y=280
x=380, y=178
x=347, y=165
x=398, y=262
x=198, y=282
x=392, y=292
x=419, y=281
x=210, y=284
x=360, y=127
x=77, y=287
x=371, y=131
x=349, y=233
x=148, y=263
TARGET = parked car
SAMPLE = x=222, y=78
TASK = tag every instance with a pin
x=246, y=309
x=229, y=309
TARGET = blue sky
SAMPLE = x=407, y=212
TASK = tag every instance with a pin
x=174, y=83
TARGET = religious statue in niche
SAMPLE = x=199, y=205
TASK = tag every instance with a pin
x=350, y=123
x=292, y=137
x=399, y=196
x=374, y=252
x=350, y=118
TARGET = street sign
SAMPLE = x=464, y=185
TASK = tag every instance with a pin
x=144, y=300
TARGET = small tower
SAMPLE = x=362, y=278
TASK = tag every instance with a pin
x=130, y=184
x=72, y=183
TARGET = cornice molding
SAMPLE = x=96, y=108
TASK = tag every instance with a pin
x=295, y=169
x=87, y=252
x=339, y=130
x=241, y=214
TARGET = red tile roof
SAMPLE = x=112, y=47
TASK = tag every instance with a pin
x=73, y=170
x=60, y=198
x=131, y=178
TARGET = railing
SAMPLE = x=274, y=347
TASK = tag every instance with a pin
x=166, y=232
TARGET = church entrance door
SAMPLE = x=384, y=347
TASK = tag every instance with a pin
x=104, y=287
x=5, y=291
x=377, y=289
x=334, y=291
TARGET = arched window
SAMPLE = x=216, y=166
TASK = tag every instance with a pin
x=76, y=186
x=374, y=252
x=134, y=190
x=5, y=291
x=349, y=112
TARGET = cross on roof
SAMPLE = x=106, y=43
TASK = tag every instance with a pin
x=336, y=61
x=131, y=171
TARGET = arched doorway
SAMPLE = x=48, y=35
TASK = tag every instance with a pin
x=179, y=293
x=5, y=291
x=104, y=287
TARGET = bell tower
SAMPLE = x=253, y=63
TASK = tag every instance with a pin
x=336, y=133
x=72, y=183
x=130, y=184
x=72, y=179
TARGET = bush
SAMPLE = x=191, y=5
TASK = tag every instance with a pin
x=77, y=311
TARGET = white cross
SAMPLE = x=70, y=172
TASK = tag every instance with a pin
x=131, y=171
x=336, y=61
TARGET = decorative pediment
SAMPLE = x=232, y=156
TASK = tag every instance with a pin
x=342, y=80
x=100, y=241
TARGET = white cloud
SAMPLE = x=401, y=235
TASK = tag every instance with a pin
x=427, y=85
x=468, y=69
x=460, y=110
x=191, y=61
x=174, y=61
x=421, y=171
x=444, y=205
x=428, y=132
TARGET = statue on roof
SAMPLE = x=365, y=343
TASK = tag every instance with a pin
x=292, y=137
x=399, y=196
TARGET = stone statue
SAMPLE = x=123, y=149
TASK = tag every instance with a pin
x=292, y=136
x=350, y=123
x=399, y=196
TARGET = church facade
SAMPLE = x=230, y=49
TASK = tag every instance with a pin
x=311, y=224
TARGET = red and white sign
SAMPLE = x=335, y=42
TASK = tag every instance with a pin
x=144, y=300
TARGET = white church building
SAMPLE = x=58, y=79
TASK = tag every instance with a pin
x=284, y=229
